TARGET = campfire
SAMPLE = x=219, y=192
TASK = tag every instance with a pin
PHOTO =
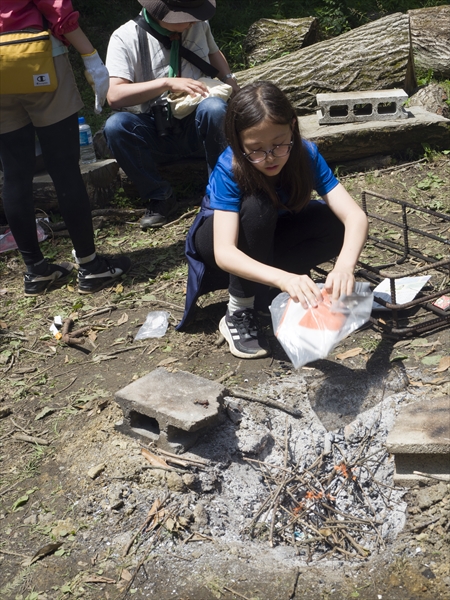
x=337, y=504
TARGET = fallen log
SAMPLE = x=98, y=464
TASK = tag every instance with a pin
x=268, y=39
x=430, y=37
x=374, y=56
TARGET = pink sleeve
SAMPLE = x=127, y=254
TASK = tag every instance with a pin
x=60, y=16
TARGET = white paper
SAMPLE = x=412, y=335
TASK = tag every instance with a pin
x=406, y=289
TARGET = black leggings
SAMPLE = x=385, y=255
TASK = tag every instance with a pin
x=61, y=151
x=295, y=242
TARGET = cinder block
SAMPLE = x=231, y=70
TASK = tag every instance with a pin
x=171, y=409
x=420, y=440
x=353, y=107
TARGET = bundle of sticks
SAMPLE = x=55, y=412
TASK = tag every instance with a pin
x=334, y=505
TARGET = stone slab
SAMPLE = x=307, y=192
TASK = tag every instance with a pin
x=170, y=408
x=422, y=428
x=355, y=107
x=351, y=141
x=420, y=441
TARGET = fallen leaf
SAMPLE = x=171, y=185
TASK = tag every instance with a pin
x=399, y=357
x=416, y=383
x=126, y=575
x=123, y=319
x=3, y=325
x=66, y=359
x=349, y=353
x=432, y=360
x=154, y=460
x=444, y=364
x=3, y=291
x=45, y=551
x=167, y=361
x=48, y=410
x=325, y=532
x=92, y=336
x=119, y=288
x=22, y=500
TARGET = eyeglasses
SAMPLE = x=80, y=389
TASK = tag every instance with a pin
x=278, y=151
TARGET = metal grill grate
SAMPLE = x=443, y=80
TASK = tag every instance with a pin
x=403, y=249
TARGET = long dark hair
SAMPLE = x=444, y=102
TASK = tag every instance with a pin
x=251, y=105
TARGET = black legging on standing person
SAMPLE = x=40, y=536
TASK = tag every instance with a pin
x=61, y=151
x=293, y=242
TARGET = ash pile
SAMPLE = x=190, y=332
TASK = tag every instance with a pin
x=290, y=483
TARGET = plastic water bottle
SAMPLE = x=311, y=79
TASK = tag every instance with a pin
x=87, y=152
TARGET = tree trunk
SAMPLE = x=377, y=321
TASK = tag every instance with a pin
x=268, y=39
x=430, y=36
x=375, y=56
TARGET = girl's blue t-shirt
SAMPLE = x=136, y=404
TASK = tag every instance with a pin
x=225, y=194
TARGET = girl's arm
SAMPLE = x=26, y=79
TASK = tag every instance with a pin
x=301, y=288
x=341, y=279
x=232, y=260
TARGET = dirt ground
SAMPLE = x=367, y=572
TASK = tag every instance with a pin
x=72, y=500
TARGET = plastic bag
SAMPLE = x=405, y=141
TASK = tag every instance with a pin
x=310, y=334
x=183, y=104
x=154, y=326
x=7, y=241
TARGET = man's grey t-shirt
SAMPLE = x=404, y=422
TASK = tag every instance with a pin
x=122, y=59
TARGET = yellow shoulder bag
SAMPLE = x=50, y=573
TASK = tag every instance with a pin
x=26, y=63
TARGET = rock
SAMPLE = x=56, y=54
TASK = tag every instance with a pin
x=200, y=516
x=428, y=496
x=189, y=480
x=31, y=520
x=174, y=482
x=252, y=443
x=95, y=471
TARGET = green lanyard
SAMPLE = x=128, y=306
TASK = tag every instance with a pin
x=174, y=64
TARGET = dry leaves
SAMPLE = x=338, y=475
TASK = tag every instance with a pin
x=123, y=319
x=349, y=353
x=444, y=364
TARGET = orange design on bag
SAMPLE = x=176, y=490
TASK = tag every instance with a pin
x=321, y=317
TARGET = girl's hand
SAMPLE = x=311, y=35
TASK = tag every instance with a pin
x=184, y=85
x=339, y=283
x=300, y=288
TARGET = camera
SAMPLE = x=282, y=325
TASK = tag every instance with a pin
x=164, y=122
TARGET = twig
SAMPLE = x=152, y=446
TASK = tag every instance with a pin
x=238, y=393
x=99, y=311
x=227, y=589
x=30, y=439
x=18, y=426
x=11, y=487
x=36, y=352
x=194, y=211
x=67, y=386
x=2, y=551
x=225, y=376
x=429, y=476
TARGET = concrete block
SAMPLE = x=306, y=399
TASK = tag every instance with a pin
x=171, y=409
x=354, y=107
x=420, y=440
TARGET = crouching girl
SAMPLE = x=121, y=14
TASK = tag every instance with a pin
x=258, y=227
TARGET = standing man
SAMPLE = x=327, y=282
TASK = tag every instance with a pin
x=166, y=49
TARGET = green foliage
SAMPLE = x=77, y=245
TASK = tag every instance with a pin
x=333, y=17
